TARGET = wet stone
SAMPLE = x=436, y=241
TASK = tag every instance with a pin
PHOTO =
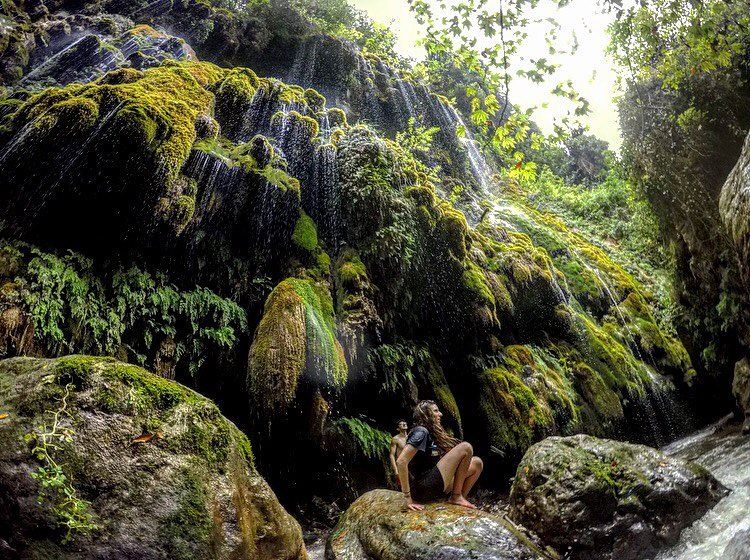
x=596, y=498
x=378, y=527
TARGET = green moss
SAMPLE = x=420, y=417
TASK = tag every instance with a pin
x=207, y=434
x=510, y=409
x=307, y=125
x=314, y=100
x=78, y=112
x=475, y=281
x=121, y=388
x=295, y=337
x=600, y=402
x=280, y=179
x=179, y=212
x=305, y=233
x=351, y=271
x=155, y=109
x=443, y=395
x=188, y=530
x=234, y=94
x=323, y=263
x=337, y=118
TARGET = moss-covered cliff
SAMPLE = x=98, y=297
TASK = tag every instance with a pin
x=238, y=234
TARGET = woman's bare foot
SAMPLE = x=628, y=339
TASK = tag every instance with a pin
x=459, y=500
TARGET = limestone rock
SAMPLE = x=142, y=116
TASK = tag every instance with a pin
x=596, y=498
x=101, y=459
x=378, y=527
x=734, y=204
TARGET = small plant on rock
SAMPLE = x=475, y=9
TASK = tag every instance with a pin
x=55, y=486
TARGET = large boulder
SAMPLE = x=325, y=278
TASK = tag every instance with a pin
x=597, y=498
x=101, y=459
x=741, y=390
x=378, y=527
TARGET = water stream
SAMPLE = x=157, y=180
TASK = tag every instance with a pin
x=724, y=451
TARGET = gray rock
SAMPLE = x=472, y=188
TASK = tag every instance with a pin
x=596, y=498
x=148, y=470
x=378, y=527
x=734, y=206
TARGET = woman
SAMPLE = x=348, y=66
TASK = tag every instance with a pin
x=439, y=464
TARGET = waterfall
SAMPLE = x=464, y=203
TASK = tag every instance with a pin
x=257, y=118
x=302, y=71
x=479, y=166
x=373, y=111
x=324, y=203
x=92, y=55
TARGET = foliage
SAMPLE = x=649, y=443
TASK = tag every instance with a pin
x=72, y=311
x=675, y=41
x=340, y=19
x=416, y=138
x=578, y=157
x=472, y=50
x=397, y=364
x=371, y=442
x=684, y=117
x=55, y=486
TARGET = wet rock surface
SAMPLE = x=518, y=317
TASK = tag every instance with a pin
x=596, y=498
x=101, y=459
x=378, y=527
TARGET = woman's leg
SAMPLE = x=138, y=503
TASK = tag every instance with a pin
x=454, y=467
x=472, y=475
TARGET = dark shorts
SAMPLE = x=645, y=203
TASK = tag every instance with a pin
x=429, y=488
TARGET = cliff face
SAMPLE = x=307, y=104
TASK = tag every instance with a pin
x=248, y=238
x=681, y=144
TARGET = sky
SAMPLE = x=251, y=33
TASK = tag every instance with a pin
x=590, y=69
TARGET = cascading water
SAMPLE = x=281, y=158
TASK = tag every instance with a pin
x=721, y=534
x=302, y=71
x=324, y=203
x=85, y=52
x=479, y=166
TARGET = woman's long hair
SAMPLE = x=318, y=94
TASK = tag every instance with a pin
x=423, y=417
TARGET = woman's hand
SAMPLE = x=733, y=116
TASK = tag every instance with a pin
x=413, y=506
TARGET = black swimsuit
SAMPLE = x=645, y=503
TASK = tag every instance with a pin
x=428, y=485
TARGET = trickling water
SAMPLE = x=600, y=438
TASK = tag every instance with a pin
x=373, y=111
x=302, y=71
x=101, y=60
x=257, y=118
x=479, y=166
x=325, y=195
x=724, y=451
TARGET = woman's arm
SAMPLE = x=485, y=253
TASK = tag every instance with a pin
x=403, y=474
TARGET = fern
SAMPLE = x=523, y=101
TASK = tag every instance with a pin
x=397, y=363
x=73, y=312
x=371, y=442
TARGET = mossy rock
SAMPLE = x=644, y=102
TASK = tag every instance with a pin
x=378, y=526
x=295, y=338
x=598, y=498
x=147, y=469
